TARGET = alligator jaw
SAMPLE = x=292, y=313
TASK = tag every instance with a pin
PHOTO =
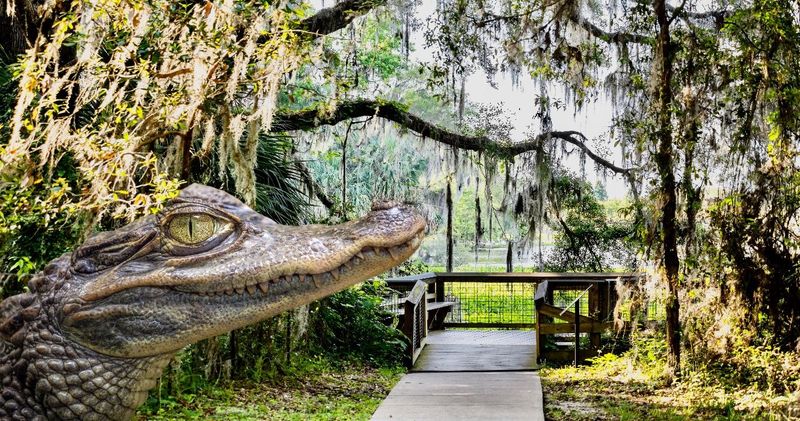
x=366, y=262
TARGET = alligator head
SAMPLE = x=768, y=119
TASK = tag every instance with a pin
x=99, y=324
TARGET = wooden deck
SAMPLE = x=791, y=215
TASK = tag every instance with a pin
x=469, y=375
x=478, y=350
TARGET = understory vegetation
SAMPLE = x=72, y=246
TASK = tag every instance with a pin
x=314, y=389
x=757, y=382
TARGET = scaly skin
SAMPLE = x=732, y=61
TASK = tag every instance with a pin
x=100, y=324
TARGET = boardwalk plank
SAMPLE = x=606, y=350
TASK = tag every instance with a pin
x=447, y=357
x=469, y=375
x=464, y=396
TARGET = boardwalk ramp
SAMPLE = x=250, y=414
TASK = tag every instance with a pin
x=469, y=375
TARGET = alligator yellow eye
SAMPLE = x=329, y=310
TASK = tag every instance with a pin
x=192, y=228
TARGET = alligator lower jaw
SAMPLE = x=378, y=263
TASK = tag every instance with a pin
x=394, y=255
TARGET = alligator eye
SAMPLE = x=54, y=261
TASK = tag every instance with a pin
x=192, y=228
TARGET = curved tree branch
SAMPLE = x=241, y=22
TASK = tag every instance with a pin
x=611, y=37
x=313, y=187
x=312, y=118
x=333, y=18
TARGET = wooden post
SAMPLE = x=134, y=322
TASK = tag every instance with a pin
x=449, y=201
x=509, y=258
x=595, y=312
x=577, y=331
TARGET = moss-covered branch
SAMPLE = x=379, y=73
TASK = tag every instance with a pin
x=333, y=18
x=311, y=118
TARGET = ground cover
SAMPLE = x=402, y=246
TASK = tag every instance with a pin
x=350, y=392
x=633, y=387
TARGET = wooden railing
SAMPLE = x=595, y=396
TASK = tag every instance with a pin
x=524, y=301
x=415, y=320
x=589, y=310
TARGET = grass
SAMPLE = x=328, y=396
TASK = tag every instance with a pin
x=344, y=393
x=634, y=387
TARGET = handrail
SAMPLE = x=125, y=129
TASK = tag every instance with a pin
x=514, y=277
x=415, y=322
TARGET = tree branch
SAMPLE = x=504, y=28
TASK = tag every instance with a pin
x=312, y=118
x=331, y=19
x=313, y=187
x=717, y=15
x=611, y=37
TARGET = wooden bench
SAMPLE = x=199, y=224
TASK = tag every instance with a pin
x=417, y=318
x=437, y=306
x=437, y=312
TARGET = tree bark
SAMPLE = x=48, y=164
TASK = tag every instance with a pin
x=333, y=18
x=665, y=162
x=315, y=117
x=23, y=21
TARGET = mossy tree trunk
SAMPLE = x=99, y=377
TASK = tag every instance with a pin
x=665, y=162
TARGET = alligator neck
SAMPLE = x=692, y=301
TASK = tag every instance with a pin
x=53, y=378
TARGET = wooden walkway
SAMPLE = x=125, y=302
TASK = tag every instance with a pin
x=469, y=375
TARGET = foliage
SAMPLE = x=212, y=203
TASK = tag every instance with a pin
x=377, y=168
x=635, y=386
x=352, y=323
x=321, y=389
x=119, y=99
x=586, y=237
x=99, y=120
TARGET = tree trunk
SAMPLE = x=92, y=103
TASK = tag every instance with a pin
x=664, y=162
x=344, y=171
x=449, y=201
x=461, y=98
x=233, y=352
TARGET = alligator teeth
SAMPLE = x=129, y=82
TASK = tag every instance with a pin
x=317, y=279
x=296, y=278
x=251, y=289
x=335, y=273
x=229, y=291
x=264, y=286
x=348, y=264
x=360, y=255
x=239, y=290
x=393, y=252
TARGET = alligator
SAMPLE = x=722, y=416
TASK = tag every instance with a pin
x=98, y=325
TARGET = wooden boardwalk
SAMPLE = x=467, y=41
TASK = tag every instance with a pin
x=469, y=375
